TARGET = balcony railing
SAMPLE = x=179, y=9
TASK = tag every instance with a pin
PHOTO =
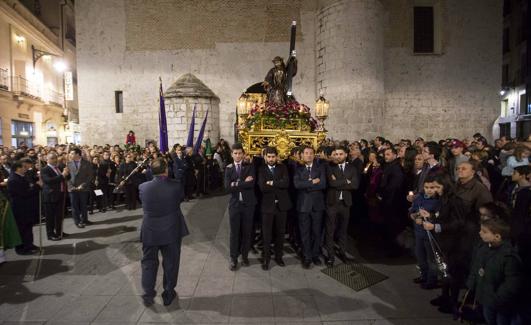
x=4, y=79
x=54, y=97
x=26, y=88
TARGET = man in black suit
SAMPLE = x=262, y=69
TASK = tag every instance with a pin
x=106, y=169
x=310, y=181
x=163, y=228
x=178, y=167
x=239, y=181
x=392, y=192
x=53, y=196
x=273, y=180
x=5, y=170
x=22, y=194
x=342, y=179
x=81, y=175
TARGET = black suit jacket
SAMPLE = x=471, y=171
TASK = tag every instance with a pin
x=163, y=221
x=276, y=192
x=243, y=187
x=310, y=196
x=392, y=186
x=51, y=188
x=340, y=185
x=24, y=196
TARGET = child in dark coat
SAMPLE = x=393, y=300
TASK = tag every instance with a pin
x=424, y=207
x=495, y=276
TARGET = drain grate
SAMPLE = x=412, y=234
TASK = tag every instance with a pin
x=355, y=275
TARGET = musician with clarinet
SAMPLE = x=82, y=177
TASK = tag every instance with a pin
x=129, y=181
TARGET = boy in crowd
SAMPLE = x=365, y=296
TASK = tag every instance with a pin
x=425, y=206
x=495, y=276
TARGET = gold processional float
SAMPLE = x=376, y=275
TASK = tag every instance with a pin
x=269, y=114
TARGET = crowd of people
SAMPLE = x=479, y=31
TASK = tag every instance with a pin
x=47, y=184
x=466, y=202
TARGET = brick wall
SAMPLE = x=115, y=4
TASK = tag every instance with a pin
x=357, y=52
x=110, y=59
x=452, y=94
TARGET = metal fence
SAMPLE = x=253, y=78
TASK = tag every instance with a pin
x=24, y=87
x=4, y=79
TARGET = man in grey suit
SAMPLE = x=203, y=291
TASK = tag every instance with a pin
x=78, y=185
x=163, y=228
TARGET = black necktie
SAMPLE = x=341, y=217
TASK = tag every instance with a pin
x=272, y=170
x=238, y=169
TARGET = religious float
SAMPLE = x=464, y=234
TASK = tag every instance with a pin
x=269, y=115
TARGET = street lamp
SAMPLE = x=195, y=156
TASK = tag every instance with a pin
x=37, y=54
x=60, y=66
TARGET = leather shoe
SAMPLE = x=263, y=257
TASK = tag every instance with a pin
x=446, y=309
x=65, y=235
x=439, y=301
x=306, y=264
x=317, y=261
x=245, y=261
x=233, y=264
x=419, y=280
x=148, y=302
x=344, y=257
x=330, y=262
x=429, y=286
x=167, y=298
x=80, y=225
x=280, y=262
x=53, y=238
x=265, y=265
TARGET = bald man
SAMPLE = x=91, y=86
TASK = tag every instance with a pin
x=53, y=196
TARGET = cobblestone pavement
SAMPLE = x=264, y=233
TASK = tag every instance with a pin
x=93, y=277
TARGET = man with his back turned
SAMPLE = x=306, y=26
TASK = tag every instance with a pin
x=163, y=228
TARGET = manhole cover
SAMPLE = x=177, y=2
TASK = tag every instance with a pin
x=355, y=275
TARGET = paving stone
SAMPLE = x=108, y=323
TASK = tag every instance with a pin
x=252, y=309
x=81, y=309
x=174, y=313
x=252, y=282
x=210, y=309
x=31, y=307
x=98, y=281
x=295, y=308
x=214, y=286
x=122, y=309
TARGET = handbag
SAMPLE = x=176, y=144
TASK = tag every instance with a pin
x=470, y=312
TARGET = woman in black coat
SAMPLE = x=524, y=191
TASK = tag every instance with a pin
x=454, y=240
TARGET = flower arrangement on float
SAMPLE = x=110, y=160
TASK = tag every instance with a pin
x=280, y=116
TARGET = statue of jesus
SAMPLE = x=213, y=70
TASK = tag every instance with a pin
x=276, y=80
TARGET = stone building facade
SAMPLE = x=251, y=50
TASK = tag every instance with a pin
x=357, y=53
x=183, y=97
x=34, y=109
